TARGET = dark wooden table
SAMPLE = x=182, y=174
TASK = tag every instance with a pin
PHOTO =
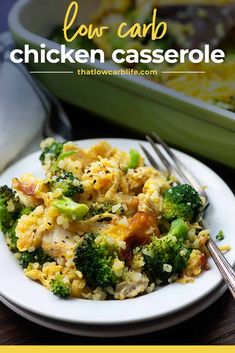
x=215, y=326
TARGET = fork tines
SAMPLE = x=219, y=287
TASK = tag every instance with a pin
x=171, y=162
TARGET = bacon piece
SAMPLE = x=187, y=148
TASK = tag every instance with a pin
x=203, y=261
x=26, y=188
x=142, y=226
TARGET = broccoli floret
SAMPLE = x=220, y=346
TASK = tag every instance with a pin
x=70, y=208
x=134, y=160
x=59, y=287
x=95, y=263
x=11, y=210
x=68, y=183
x=220, y=236
x=12, y=238
x=167, y=256
x=178, y=229
x=54, y=149
x=99, y=208
x=37, y=255
x=106, y=207
x=181, y=201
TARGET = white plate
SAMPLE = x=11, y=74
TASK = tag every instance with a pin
x=121, y=330
x=165, y=301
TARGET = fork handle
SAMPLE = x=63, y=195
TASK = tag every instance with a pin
x=223, y=265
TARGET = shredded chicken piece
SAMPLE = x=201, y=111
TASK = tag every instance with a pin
x=130, y=289
x=58, y=243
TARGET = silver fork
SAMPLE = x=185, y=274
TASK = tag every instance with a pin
x=173, y=166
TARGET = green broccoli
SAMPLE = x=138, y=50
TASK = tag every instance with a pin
x=37, y=255
x=181, y=201
x=167, y=256
x=59, y=287
x=99, y=208
x=106, y=207
x=53, y=150
x=220, y=236
x=11, y=210
x=70, y=208
x=179, y=229
x=95, y=263
x=69, y=184
x=12, y=238
x=134, y=160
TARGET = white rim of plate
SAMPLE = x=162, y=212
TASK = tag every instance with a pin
x=119, y=331
x=36, y=299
